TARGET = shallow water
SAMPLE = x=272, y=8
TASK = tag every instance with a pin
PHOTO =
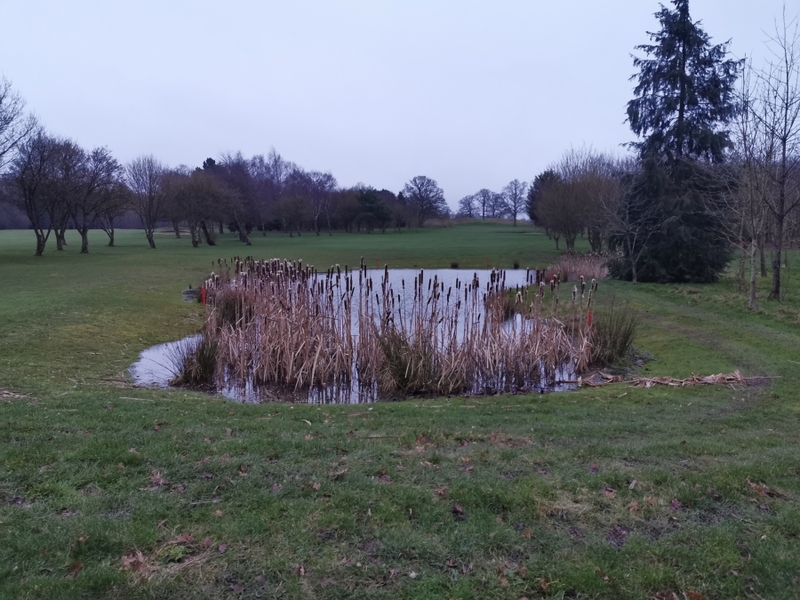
x=159, y=364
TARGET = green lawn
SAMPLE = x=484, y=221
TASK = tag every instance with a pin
x=107, y=490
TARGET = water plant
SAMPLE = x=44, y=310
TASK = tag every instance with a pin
x=283, y=324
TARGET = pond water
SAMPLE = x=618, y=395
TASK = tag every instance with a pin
x=159, y=364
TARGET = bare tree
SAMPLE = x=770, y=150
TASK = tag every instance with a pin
x=320, y=193
x=571, y=202
x=466, y=207
x=234, y=174
x=426, y=198
x=31, y=173
x=145, y=179
x=498, y=208
x=119, y=201
x=15, y=127
x=99, y=173
x=515, y=197
x=631, y=219
x=483, y=201
x=749, y=184
x=195, y=196
x=777, y=110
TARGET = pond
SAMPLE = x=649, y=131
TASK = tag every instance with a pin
x=159, y=364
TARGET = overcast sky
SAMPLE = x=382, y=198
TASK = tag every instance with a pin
x=472, y=94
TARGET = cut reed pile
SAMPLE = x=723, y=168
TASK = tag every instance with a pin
x=276, y=323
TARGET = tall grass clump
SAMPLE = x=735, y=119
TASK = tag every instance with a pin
x=194, y=362
x=280, y=324
x=613, y=333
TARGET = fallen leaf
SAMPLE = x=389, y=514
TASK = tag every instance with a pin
x=308, y=438
x=326, y=582
x=299, y=570
x=527, y=534
x=593, y=468
x=316, y=486
x=651, y=500
x=218, y=513
x=222, y=548
x=692, y=595
x=609, y=493
x=74, y=569
x=206, y=542
x=180, y=489
x=675, y=504
x=633, y=506
x=633, y=484
x=306, y=421
x=441, y=491
x=229, y=431
x=206, y=475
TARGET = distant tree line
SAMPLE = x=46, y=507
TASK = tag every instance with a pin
x=50, y=184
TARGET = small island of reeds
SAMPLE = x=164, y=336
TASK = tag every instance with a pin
x=278, y=329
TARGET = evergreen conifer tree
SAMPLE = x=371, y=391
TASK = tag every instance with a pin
x=683, y=100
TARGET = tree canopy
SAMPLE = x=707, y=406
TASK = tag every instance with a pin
x=685, y=93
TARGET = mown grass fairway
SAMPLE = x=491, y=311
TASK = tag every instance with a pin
x=110, y=491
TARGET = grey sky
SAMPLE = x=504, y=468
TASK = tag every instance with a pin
x=472, y=94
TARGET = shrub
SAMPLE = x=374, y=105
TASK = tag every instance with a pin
x=613, y=331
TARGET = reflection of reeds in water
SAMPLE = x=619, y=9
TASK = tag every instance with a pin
x=276, y=323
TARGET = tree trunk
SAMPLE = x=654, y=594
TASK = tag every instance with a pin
x=763, y=259
x=775, y=293
x=209, y=235
x=60, y=241
x=753, y=249
x=110, y=233
x=150, y=239
x=740, y=271
x=176, y=227
x=41, y=242
x=84, y=231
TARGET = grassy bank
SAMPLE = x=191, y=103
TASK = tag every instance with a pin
x=112, y=491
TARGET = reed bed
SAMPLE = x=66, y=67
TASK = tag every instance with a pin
x=572, y=265
x=281, y=324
